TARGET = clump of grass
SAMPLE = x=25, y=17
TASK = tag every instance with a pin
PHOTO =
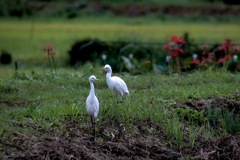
x=227, y=122
x=191, y=115
x=194, y=132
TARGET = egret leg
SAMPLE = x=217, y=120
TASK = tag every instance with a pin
x=122, y=99
x=94, y=130
x=116, y=98
x=91, y=124
x=93, y=127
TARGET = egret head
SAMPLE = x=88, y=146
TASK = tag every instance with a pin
x=92, y=78
x=107, y=68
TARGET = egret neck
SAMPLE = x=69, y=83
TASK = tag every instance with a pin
x=92, y=91
x=109, y=75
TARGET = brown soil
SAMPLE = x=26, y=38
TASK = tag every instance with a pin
x=220, y=102
x=77, y=143
x=11, y=103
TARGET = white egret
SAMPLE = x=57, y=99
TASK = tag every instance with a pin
x=115, y=84
x=92, y=104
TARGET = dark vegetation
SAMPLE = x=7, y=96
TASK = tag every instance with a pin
x=5, y=57
x=119, y=55
x=18, y=8
x=138, y=58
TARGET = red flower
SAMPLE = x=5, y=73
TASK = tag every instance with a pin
x=224, y=47
x=228, y=45
x=228, y=57
x=236, y=49
x=176, y=52
x=207, y=60
x=196, y=61
x=167, y=47
x=49, y=49
x=177, y=40
x=220, y=61
x=179, y=50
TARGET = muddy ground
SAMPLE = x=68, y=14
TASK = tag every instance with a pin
x=146, y=140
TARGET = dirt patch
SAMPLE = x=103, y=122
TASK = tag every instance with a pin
x=231, y=103
x=77, y=143
x=145, y=141
x=224, y=148
x=12, y=103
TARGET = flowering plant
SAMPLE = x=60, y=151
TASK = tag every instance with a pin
x=230, y=50
x=175, y=50
x=48, y=48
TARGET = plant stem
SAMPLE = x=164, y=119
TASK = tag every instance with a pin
x=49, y=62
x=178, y=65
x=53, y=63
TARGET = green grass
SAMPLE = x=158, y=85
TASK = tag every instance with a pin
x=44, y=100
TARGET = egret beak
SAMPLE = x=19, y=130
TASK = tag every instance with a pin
x=97, y=79
x=102, y=68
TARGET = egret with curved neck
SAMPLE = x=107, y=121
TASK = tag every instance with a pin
x=115, y=84
x=92, y=104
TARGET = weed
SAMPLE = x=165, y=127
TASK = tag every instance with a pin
x=48, y=48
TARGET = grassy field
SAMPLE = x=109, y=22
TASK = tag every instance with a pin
x=45, y=104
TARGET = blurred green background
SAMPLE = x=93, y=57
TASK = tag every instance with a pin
x=26, y=26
